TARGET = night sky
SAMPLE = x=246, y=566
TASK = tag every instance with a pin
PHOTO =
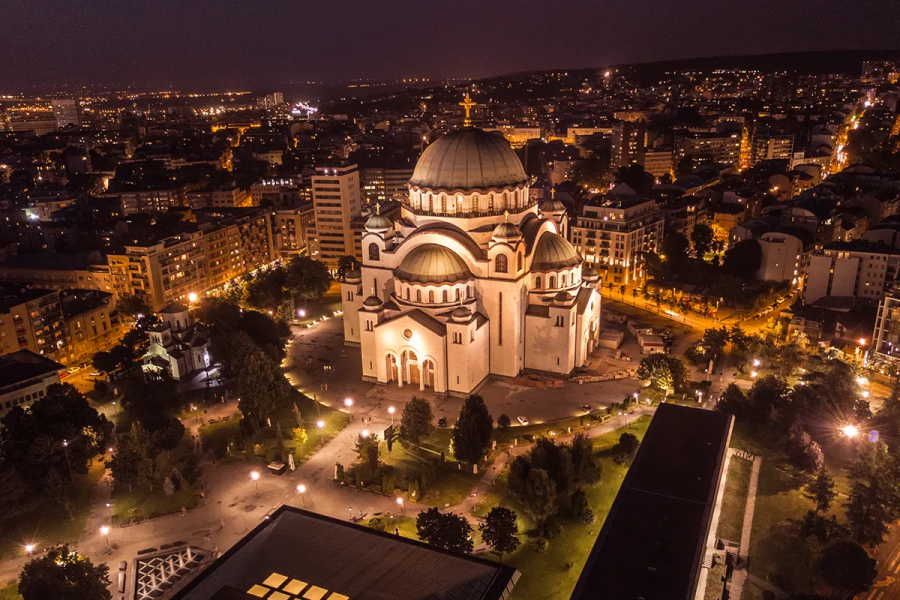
x=262, y=43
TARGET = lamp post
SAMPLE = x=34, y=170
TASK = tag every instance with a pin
x=301, y=489
x=348, y=402
x=104, y=531
x=29, y=549
x=116, y=407
x=254, y=475
x=401, y=505
x=391, y=411
x=66, y=449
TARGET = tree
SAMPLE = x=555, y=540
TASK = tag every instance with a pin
x=821, y=490
x=32, y=440
x=346, y=264
x=367, y=451
x=802, y=451
x=416, y=422
x=472, y=432
x=151, y=397
x=580, y=508
x=664, y=372
x=499, y=531
x=874, y=500
x=503, y=422
x=702, y=239
x=105, y=361
x=846, y=568
x=447, y=531
x=299, y=435
x=625, y=449
x=261, y=386
x=133, y=306
x=675, y=249
x=743, y=259
x=716, y=339
x=129, y=464
x=307, y=278
x=591, y=173
x=539, y=496
x=63, y=574
x=635, y=177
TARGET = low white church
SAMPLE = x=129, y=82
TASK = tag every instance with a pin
x=473, y=280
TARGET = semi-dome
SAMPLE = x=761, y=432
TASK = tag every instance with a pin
x=553, y=252
x=506, y=231
x=468, y=159
x=378, y=221
x=461, y=314
x=430, y=263
x=553, y=205
x=372, y=302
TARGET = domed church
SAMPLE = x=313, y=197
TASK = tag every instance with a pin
x=473, y=280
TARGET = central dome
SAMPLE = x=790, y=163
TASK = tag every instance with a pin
x=430, y=263
x=468, y=159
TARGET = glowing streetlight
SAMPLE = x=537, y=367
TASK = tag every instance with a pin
x=755, y=362
x=364, y=433
x=391, y=411
x=192, y=297
x=850, y=431
x=754, y=374
x=862, y=341
x=348, y=402
x=401, y=505
x=301, y=489
x=865, y=394
x=320, y=423
x=301, y=313
x=862, y=380
x=29, y=548
x=636, y=395
x=254, y=475
x=104, y=531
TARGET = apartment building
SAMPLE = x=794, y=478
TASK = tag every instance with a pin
x=91, y=322
x=858, y=269
x=771, y=146
x=280, y=191
x=708, y=147
x=628, y=140
x=381, y=184
x=612, y=231
x=290, y=226
x=24, y=378
x=886, y=337
x=658, y=162
x=337, y=200
x=138, y=201
x=32, y=319
x=235, y=244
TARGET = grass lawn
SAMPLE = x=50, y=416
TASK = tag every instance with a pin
x=47, y=523
x=734, y=501
x=216, y=436
x=553, y=574
x=323, y=307
x=778, y=554
x=10, y=592
x=142, y=503
x=406, y=524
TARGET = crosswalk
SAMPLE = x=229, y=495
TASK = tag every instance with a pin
x=887, y=578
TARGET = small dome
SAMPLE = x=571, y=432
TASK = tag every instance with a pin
x=506, y=231
x=355, y=275
x=430, y=263
x=372, y=302
x=552, y=206
x=461, y=314
x=378, y=222
x=553, y=252
x=563, y=297
x=468, y=159
x=589, y=273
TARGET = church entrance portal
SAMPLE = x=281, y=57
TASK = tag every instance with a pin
x=428, y=374
x=392, y=370
x=411, y=366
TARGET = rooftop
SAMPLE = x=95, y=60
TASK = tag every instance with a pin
x=651, y=544
x=23, y=365
x=297, y=550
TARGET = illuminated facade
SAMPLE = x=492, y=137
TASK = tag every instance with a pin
x=473, y=281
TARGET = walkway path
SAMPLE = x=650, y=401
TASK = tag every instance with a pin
x=740, y=573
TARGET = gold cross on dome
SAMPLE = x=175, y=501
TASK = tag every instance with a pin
x=378, y=208
x=467, y=104
x=506, y=216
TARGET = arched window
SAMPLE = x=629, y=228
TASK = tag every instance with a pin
x=552, y=282
x=444, y=297
x=418, y=295
x=501, y=263
x=407, y=293
x=468, y=291
x=459, y=204
x=491, y=203
x=373, y=251
x=562, y=281
x=475, y=203
x=519, y=265
x=431, y=296
x=537, y=284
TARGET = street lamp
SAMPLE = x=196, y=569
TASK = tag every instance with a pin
x=29, y=548
x=400, y=504
x=254, y=475
x=755, y=362
x=850, y=431
x=754, y=374
x=320, y=423
x=66, y=449
x=116, y=407
x=862, y=341
x=192, y=297
x=301, y=312
x=104, y=531
x=392, y=410
x=348, y=402
x=301, y=489
x=364, y=433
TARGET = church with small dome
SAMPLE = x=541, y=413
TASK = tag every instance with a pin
x=474, y=280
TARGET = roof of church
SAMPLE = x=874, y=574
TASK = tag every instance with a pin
x=430, y=263
x=468, y=159
x=553, y=252
x=422, y=318
x=451, y=231
x=175, y=308
x=584, y=294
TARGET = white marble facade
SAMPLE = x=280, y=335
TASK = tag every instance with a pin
x=473, y=280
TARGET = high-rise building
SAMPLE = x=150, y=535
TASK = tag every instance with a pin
x=627, y=143
x=768, y=145
x=613, y=232
x=40, y=123
x=67, y=112
x=658, y=162
x=856, y=269
x=381, y=184
x=291, y=226
x=886, y=338
x=337, y=199
x=32, y=319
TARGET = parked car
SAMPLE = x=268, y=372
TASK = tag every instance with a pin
x=442, y=422
x=522, y=420
x=586, y=407
x=72, y=370
x=95, y=373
